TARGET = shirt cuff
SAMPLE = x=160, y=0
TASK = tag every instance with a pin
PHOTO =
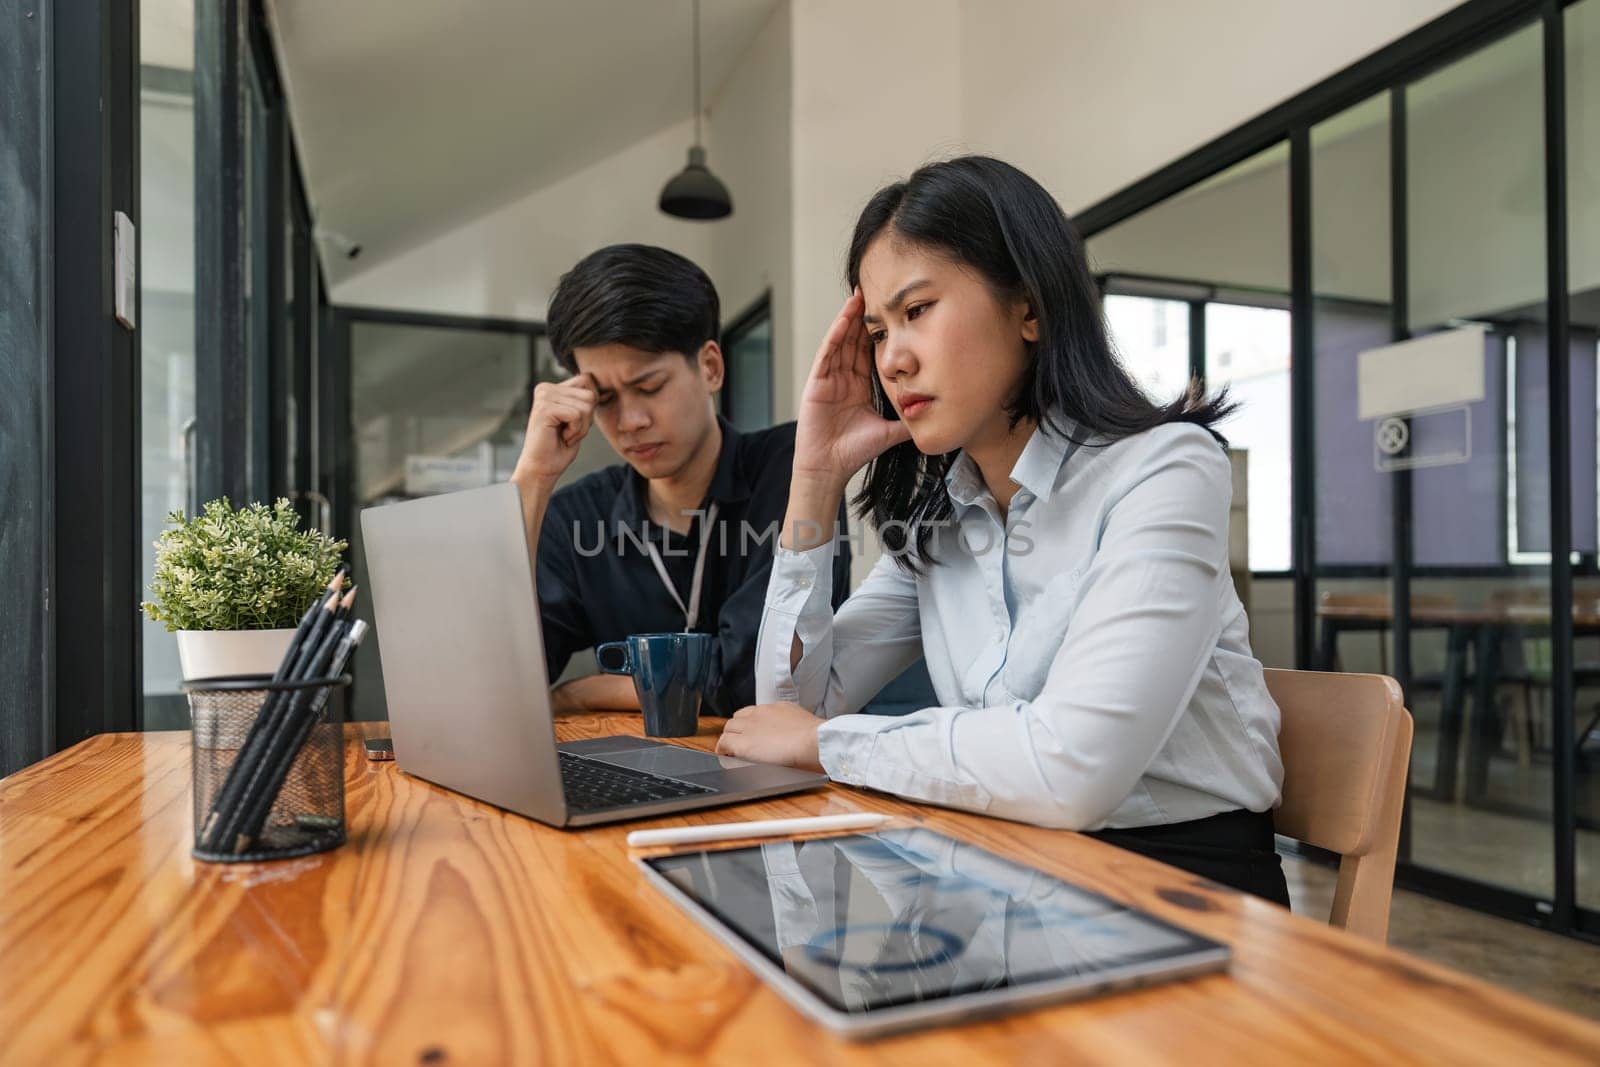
x=800, y=578
x=799, y=604
x=849, y=749
x=844, y=746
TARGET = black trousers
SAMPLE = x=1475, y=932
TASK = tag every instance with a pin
x=1234, y=848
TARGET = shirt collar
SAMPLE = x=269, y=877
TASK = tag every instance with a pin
x=1036, y=468
x=729, y=482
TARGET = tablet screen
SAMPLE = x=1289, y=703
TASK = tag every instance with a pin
x=869, y=921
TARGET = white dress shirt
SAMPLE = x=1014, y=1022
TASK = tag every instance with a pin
x=1089, y=654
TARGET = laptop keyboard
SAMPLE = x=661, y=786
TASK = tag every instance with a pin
x=594, y=786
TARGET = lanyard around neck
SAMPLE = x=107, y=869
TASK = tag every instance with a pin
x=691, y=611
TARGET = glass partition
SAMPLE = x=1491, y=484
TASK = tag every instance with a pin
x=1352, y=313
x=1476, y=291
x=1152, y=339
x=1247, y=351
x=1199, y=285
x=435, y=409
x=167, y=425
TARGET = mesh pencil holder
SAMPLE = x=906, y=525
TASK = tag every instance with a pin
x=287, y=798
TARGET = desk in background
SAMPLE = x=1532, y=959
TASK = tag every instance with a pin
x=1477, y=633
x=447, y=931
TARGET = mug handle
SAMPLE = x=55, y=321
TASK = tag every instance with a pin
x=622, y=648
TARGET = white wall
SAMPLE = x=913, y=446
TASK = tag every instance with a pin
x=506, y=262
x=752, y=250
x=877, y=91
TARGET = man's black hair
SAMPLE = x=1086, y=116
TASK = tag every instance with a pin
x=636, y=295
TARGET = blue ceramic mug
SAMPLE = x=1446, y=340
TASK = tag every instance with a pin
x=670, y=674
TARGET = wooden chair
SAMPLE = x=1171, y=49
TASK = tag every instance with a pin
x=1346, y=746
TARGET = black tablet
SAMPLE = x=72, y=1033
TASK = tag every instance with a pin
x=870, y=933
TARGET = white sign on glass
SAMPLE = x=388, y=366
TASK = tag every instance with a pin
x=1418, y=396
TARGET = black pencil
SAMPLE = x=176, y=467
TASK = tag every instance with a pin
x=247, y=760
x=299, y=727
x=269, y=768
x=274, y=711
x=231, y=784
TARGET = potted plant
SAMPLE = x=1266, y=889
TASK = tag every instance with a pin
x=233, y=584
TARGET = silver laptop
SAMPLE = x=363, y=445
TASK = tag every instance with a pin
x=457, y=624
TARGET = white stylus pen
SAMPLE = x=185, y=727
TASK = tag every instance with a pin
x=728, y=831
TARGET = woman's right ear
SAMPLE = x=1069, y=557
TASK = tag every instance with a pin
x=1030, y=324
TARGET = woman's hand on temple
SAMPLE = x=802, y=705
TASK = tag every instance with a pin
x=773, y=733
x=840, y=430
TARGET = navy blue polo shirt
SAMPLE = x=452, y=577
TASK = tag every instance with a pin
x=597, y=582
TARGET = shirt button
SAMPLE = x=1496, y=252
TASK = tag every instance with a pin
x=803, y=582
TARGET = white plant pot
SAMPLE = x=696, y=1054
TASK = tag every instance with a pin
x=217, y=653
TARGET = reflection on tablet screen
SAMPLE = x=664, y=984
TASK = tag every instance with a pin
x=870, y=921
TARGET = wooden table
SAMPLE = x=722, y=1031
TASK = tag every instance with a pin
x=447, y=931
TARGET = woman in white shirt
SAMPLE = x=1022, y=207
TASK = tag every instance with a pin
x=1056, y=547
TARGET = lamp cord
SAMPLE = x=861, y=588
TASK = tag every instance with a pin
x=697, y=72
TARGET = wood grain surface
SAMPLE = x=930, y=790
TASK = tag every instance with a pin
x=447, y=931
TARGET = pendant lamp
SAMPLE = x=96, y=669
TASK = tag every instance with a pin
x=694, y=192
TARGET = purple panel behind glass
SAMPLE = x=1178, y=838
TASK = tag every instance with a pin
x=1459, y=511
x=1533, y=443
x=1354, y=501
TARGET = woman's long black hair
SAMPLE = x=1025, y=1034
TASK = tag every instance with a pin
x=993, y=219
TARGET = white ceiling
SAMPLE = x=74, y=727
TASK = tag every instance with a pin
x=413, y=116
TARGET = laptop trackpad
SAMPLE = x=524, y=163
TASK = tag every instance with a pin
x=670, y=761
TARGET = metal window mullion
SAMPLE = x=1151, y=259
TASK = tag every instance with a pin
x=1399, y=284
x=221, y=345
x=1197, y=341
x=1400, y=329
x=1302, y=357
x=1560, y=426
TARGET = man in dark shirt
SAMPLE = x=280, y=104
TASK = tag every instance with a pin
x=616, y=552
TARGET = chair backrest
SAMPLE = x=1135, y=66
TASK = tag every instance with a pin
x=1346, y=746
